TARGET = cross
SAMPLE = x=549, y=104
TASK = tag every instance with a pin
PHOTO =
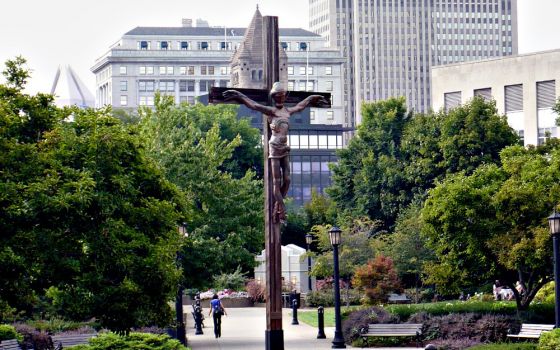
x=274, y=157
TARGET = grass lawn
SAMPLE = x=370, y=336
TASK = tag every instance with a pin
x=309, y=316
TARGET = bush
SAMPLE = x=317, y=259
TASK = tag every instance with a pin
x=110, y=341
x=255, y=291
x=8, y=332
x=357, y=320
x=505, y=346
x=377, y=278
x=545, y=294
x=233, y=281
x=550, y=340
x=325, y=298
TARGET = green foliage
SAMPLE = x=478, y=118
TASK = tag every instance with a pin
x=210, y=155
x=325, y=297
x=550, y=340
x=505, y=346
x=8, y=332
x=16, y=74
x=234, y=281
x=320, y=210
x=395, y=157
x=148, y=341
x=495, y=218
x=83, y=210
x=377, y=279
x=546, y=294
x=58, y=325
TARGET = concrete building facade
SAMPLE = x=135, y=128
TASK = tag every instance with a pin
x=187, y=61
x=392, y=44
x=524, y=87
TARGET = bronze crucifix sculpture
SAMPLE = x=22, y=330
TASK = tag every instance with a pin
x=278, y=117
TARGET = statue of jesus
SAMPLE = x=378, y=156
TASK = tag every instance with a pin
x=278, y=149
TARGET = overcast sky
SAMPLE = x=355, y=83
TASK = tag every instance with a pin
x=53, y=32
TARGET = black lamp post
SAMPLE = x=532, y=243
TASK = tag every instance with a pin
x=338, y=341
x=554, y=222
x=181, y=330
x=309, y=240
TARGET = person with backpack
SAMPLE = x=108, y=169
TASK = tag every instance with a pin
x=217, y=310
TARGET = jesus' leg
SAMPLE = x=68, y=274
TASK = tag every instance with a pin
x=285, y=165
x=279, y=209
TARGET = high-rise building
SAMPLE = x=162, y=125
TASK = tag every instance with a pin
x=390, y=45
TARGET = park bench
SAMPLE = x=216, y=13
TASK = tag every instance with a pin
x=398, y=298
x=11, y=344
x=393, y=330
x=532, y=330
x=64, y=341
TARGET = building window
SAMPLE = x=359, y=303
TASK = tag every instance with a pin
x=514, y=98
x=142, y=70
x=452, y=100
x=309, y=70
x=302, y=70
x=225, y=45
x=205, y=85
x=210, y=70
x=190, y=85
x=184, y=45
x=143, y=45
x=485, y=93
x=546, y=94
x=190, y=100
x=170, y=70
x=329, y=86
x=330, y=115
x=124, y=85
x=164, y=45
x=224, y=83
x=225, y=70
x=146, y=101
x=290, y=70
x=146, y=85
x=162, y=70
x=124, y=100
x=202, y=70
x=183, y=70
x=328, y=70
x=291, y=84
x=312, y=115
x=310, y=85
x=301, y=86
x=150, y=70
x=182, y=85
x=166, y=86
x=203, y=45
x=122, y=70
x=190, y=70
x=285, y=46
x=302, y=46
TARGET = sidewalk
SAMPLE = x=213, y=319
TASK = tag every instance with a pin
x=244, y=329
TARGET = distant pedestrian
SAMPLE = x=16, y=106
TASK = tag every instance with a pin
x=217, y=310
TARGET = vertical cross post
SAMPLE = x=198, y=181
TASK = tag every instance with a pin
x=274, y=335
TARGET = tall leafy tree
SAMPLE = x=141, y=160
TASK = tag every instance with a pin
x=226, y=227
x=84, y=213
x=495, y=218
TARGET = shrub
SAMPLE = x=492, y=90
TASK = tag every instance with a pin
x=110, y=341
x=255, y=291
x=550, y=340
x=8, y=332
x=234, y=280
x=505, y=346
x=37, y=340
x=357, y=320
x=377, y=278
x=325, y=297
x=545, y=294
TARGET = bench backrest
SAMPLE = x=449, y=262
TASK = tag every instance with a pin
x=11, y=344
x=535, y=328
x=398, y=328
x=71, y=339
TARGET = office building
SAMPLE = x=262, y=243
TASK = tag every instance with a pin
x=390, y=45
x=523, y=86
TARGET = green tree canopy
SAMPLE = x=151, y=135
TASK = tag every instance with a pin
x=395, y=157
x=495, y=218
x=226, y=225
x=85, y=214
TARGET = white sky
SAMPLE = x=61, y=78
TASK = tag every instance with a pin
x=76, y=32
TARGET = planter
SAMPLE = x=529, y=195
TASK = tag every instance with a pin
x=229, y=302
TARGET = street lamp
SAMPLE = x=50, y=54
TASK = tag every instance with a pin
x=554, y=222
x=309, y=240
x=338, y=341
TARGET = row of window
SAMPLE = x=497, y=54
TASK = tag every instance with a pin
x=183, y=70
x=169, y=85
x=209, y=45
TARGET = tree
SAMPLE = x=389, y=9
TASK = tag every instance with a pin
x=85, y=214
x=377, y=278
x=395, y=157
x=226, y=225
x=495, y=218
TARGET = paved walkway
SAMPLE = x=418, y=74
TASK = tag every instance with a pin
x=244, y=329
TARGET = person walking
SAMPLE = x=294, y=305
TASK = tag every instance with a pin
x=217, y=310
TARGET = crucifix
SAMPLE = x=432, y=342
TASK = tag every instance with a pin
x=276, y=106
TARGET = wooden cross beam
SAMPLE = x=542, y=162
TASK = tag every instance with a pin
x=262, y=101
